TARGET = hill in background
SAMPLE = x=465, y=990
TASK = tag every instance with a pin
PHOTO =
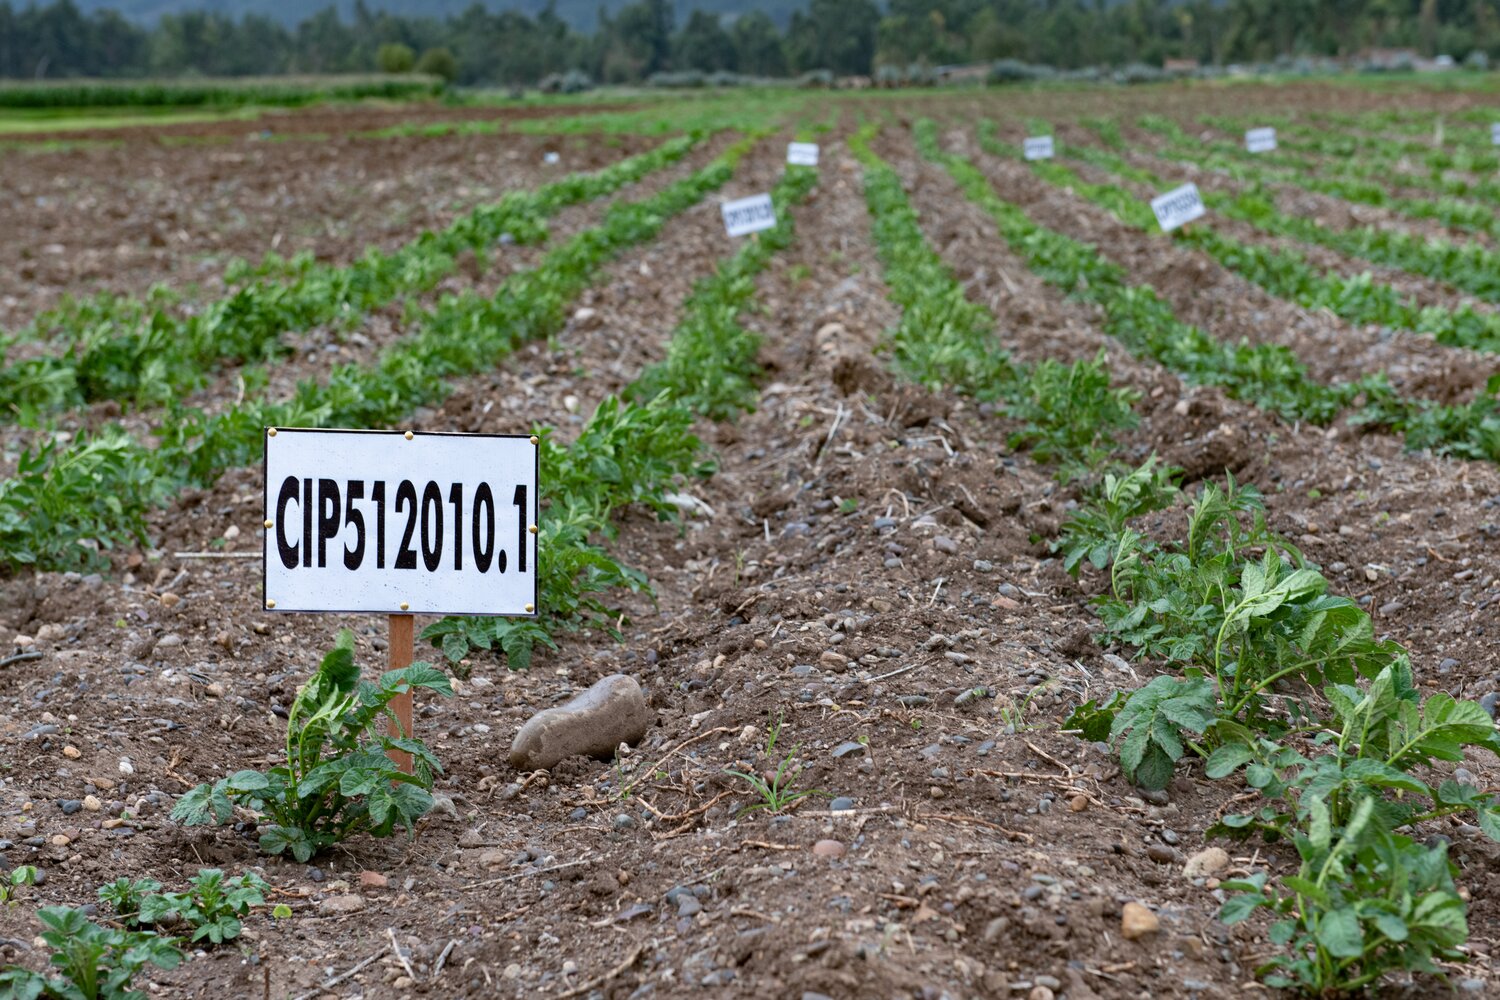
x=583, y=15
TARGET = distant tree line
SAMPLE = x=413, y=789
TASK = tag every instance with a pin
x=845, y=37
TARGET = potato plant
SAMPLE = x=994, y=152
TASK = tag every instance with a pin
x=338, y=779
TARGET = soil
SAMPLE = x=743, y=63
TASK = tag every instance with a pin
x=869, y=571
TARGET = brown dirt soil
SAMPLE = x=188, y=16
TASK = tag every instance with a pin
x=122, y=219
x=872, y=569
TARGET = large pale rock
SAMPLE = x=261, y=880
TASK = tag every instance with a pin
x=1137, y=922
x=1207, y=862
x=594, y=723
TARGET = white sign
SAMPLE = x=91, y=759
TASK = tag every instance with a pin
x=551, y=158
x=748, y=215
x=1260, y=140
x=802, y=154
x=1178, y=207
x=400, y=522
x=1038, y=147
x=1495, y=134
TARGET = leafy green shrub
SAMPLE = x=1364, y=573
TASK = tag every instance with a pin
x=212, y=905
x=93, y=962
x=338, y=779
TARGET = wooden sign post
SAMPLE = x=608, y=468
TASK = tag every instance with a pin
x=401, y=523
x=400, y=653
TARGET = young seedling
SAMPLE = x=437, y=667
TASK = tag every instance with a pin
x=777, y=793
x=91, y=962
x=14, y=879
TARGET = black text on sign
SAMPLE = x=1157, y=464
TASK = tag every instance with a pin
x=748, y=215
x=400, y=522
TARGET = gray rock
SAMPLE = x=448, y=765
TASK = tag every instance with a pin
x=1447, y=665
x=594, y=723
x=688, y=906
x=624, y=821
x=69, y=806
x=841, y=803
x=1488, y=703
x=945, y=544
x=847, y=748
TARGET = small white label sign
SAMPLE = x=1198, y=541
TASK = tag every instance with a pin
x=372, y=521
x=1037, y=147
x=802, y=154
x=1495, y=134
x=748, y=215
x=1260, y=140
x=551, y=158
x=1178, y=207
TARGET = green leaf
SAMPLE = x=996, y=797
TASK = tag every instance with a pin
x=1390, y=925
x=1338, y=931
x=1239, y=907
x=279, y=839
x=1227, y=759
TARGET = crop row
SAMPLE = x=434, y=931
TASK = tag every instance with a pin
x=1466, y=266
x=1268, y=664
x=1286, y=273
x=635, y=452
x=1314, y=161
x=282, y=91
x=67, y=501
x=145, y=351
x=1268, y=375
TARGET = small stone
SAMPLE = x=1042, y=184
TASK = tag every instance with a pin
x=1137, y=922
x=231, y=533
x=945, y=544
x=1161, y=854
x=624, y=821
x=170, y=600
x=1464, y=776
x=403, y=982
x=841, y=804
x=1040, y=993
x=23, y=641
x=512, y=971
x=828, y=849
x=1005, y=603
x=92, y=803
x=1209, y=861
x=338, y=906
x=373, y=880
x=593, y=723
x=1078, y=803
x=71, y=752
x=847, y=748
x=1447, y=666
x=169, y=641
x=60, y=840
x=837, y=662
x=688, y=906
x=69, y=806
x=50, y=632
x=1487, y=702
x=1391, y=607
